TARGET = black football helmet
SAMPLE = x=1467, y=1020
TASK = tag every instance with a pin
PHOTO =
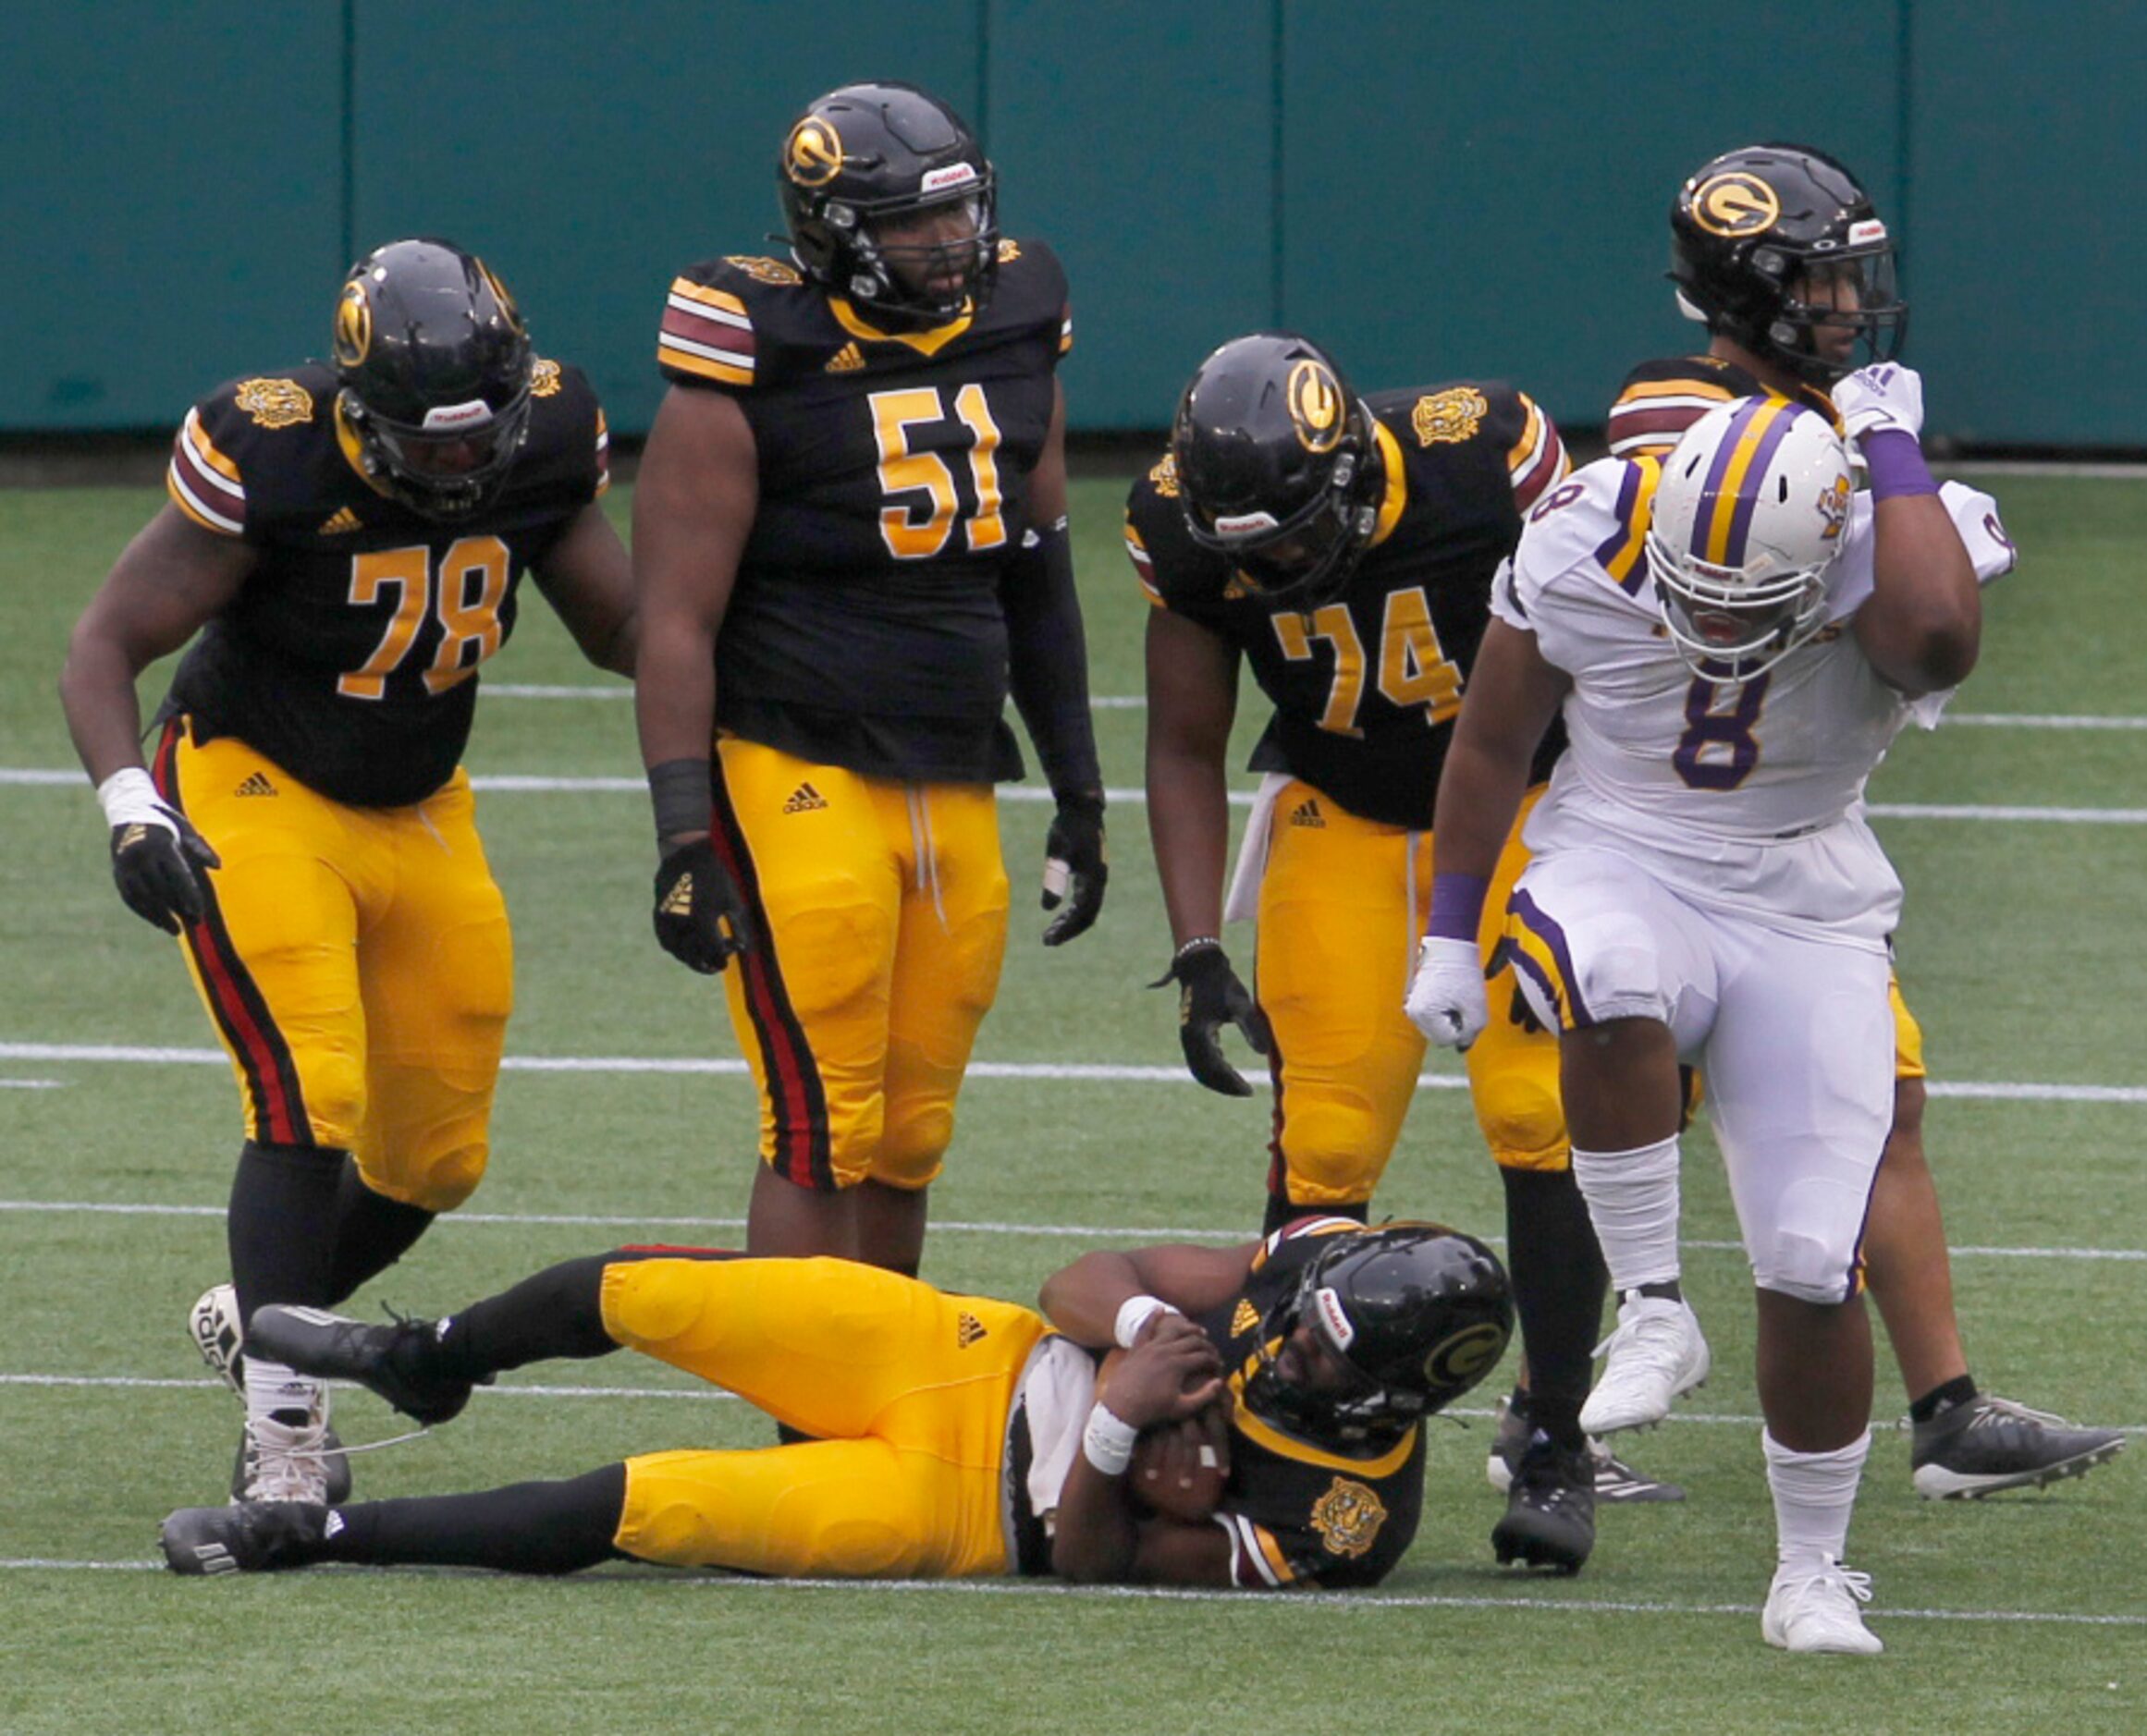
x=867, y=158
x=1758, y=233
x=1277, y=465
x=1417, y=1312
x=436, y=369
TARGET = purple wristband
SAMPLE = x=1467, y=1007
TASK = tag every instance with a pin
x=1456, y=906
x=1895, y=463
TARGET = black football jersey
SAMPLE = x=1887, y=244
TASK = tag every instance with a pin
x=1661, y=399
x=1366, y=688
x=865, y=629
x=1299, y=1514
x=349, y=657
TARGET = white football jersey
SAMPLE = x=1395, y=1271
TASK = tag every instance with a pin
x=1747, y=797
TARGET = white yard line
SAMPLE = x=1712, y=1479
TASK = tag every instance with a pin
x=644, y=1222
x=1099, y=1072
x=1296, y=1603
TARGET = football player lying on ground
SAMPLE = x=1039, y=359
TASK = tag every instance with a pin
x=956, y=1436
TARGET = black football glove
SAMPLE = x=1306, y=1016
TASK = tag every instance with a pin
x=700, y=919
x=1210, y=997
x=157, y=865
x=1075, y=868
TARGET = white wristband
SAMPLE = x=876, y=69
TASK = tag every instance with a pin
x=1108, y=1442
x=129, y=799
x=1134, y=1312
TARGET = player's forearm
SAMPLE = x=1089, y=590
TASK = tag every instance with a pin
x=1047, y=661
x=1480, y=793
x=96, y=691
x=1083, y=1299
x=1095, y=1537
x=1189, y=828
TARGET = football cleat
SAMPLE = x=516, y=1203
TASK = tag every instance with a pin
x=1989, y=1444
x=1656, y=1354
x=1549, y=1517
x=214, y=1325
x=1814, y=1609
x=1614, y=1479
x=286, y=1461
x=255, y=1537
x=391, y=1360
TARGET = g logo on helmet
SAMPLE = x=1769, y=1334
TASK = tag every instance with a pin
x=1736, y=204
x=1314, y=395
x=353, y=325
x=1465, y=1358
x=813, y=153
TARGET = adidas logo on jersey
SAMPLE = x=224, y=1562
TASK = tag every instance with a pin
x=847, y=359
x=1307, y=813
x=341, y=523
x=968, y=1328
x=803, y=799
x=257, y=785
x=1244, y=1319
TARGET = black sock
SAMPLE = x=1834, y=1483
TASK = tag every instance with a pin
x=556, y=1313
x=281, y=1224
x=1664, y=1290
x=1948, y=1396
x=1559, y=1283
x=1280, y=1211
x=371, y=1232
x=525, y=1528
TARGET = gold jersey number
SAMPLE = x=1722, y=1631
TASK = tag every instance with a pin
x=920, y=526
x=464, y=592
x=1413, y=669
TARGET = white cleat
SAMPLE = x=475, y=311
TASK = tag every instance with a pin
x=1815, y=1609
x=1656, y=1354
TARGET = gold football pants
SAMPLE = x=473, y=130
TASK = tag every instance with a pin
x=880, y=911
x=357, y=964
x=907, y=1389
x=1342, y=904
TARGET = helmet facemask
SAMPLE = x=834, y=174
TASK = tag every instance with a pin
x=1307, y=557
x=448, y=466
x=1839, y=311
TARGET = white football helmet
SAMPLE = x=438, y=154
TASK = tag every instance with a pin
x=1749, y=515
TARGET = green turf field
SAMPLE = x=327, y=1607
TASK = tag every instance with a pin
x=2025, y=953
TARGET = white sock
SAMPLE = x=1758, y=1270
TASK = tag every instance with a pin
x=271, y=1387
x=1632, y=1199
x=1814, y=1494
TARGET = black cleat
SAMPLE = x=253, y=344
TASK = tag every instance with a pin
x=1614, y=1479
x=1550, y=1518
x=1989, y=1444
x=252, y=1537
x=391, y=1360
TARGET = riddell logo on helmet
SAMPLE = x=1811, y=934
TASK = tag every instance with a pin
x=953, y=175
x=1870, y=229
x=1333, y=1319
x=1245, y=524
x=446, y=418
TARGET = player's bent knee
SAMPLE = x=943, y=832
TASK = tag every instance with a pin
x=1523, y=1125
x=1334, y=1155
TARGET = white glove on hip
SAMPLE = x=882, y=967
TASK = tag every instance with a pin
x=1446, y=998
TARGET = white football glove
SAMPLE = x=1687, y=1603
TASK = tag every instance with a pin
x=1884, y=400
x=1446, y=998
